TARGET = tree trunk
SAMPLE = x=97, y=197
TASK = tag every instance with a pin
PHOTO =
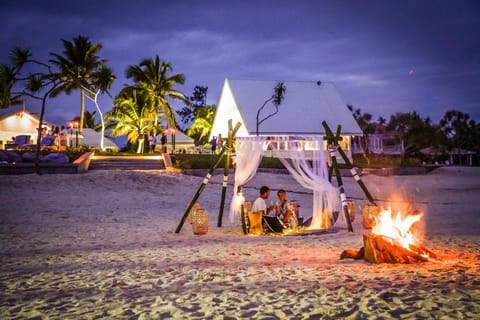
x=82, y=109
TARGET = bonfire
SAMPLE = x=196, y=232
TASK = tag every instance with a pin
x=392, y=239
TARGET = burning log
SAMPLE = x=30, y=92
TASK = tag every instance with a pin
x=380, y=249
x=392, y=240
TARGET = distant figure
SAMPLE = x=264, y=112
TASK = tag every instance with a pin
x=63, y=137
x=56, y=134
x=219, y=142
x=163, y=140
x=152, y=140
x=214, y=144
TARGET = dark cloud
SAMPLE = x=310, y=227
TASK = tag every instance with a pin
x=384, y=56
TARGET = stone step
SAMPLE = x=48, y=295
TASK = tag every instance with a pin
x=127, y=163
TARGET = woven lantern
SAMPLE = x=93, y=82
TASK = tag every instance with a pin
x=199, y=219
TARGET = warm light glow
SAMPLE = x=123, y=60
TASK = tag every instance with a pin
x=239, y=200
x=397, y=227
x=320, y=221
x=155, y=157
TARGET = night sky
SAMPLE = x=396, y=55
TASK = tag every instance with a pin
x=383, y=56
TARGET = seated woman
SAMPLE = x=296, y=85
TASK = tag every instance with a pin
x=282, y=209
x=285, y=211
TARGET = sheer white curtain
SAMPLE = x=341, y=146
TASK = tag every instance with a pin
x=249, y=153
x=314, y=177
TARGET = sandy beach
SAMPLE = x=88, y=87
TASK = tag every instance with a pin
x=102, y=245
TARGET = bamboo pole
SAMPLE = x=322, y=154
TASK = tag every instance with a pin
x=226, y=170
x=343, y=197
x=200, y=190
x=332, y=147
x=205, y=182
x=330, y=173
x=353, y=171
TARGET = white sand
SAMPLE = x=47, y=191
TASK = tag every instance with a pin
x=102, y=245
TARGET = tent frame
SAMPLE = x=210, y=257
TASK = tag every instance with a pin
x=228, y=151
x=332, y=146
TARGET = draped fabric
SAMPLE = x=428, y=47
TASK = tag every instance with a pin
x=248, y=156
x=314, y=177
x=291, y=152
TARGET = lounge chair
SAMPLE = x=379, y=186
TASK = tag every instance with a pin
x=19, y=140
x=47, y=142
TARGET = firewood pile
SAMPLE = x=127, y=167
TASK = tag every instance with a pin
x=391, y=238
x=380, y=249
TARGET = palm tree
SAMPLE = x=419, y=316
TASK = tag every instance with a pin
x=410, y=127
x=460, y=130
x=364, y=122
x=276, y=98
x=89, y=120
x=132, y=116
x=101, y=81
x=202, y=124
x=77, y=65
x=382, y=121
x=9, y=76
x=38, y=85
x=151, y=77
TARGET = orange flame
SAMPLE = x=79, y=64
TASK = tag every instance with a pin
x=397, y=228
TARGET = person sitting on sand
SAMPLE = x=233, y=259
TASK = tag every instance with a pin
x=281, y=209
x=260, y=204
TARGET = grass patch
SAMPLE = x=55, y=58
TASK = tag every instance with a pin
x=206, y=161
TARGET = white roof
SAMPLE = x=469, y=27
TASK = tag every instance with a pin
x=304, y=107
x=180, y=138
x=92, y=138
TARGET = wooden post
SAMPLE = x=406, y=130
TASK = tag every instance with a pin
x=200, y=190
x=330, y=173
x=205, y=182
x=343, y=197
x=353, y=171
x=332, y=147
x=226, y=169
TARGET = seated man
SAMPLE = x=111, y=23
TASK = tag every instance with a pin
x=260, y=204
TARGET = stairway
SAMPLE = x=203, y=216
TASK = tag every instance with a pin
x=144, y=162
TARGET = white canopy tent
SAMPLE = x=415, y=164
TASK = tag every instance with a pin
x=92, y=138
x=304, y=106
x=294, y=135
x=293, y=152
x=312, y=102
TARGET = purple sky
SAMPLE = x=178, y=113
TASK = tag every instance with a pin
x=383, y=56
